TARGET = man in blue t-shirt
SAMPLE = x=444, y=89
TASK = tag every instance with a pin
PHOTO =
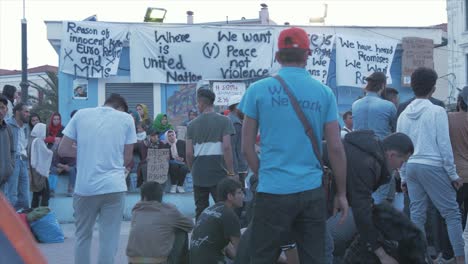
x=290, y=201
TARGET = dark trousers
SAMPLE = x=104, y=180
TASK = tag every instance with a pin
x=462, y=199
x=43, y=196
x=277, y=217
x=177, y=172
x=202, y=198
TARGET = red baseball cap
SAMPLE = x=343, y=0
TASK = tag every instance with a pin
x=293, y=38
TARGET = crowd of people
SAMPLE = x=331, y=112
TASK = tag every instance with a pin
x=359, y=192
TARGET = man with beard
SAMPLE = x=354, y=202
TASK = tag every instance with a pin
x=17, y=186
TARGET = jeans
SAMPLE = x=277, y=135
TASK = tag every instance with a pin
x=462, y=199
x=202, y=198
x=109, y=207
x=430, y=182
x=385, y=192
x=17, y=187
x=277, y=217
x=339, y=236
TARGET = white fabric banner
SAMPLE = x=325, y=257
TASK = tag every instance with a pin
x=92, y=49
x=187, y=54
x=321, y=46
x=357, y=58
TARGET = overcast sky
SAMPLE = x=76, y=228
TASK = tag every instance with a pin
x=340, y=12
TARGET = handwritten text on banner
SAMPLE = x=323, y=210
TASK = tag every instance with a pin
x=187, y=54
x=357, y=58
x=91, y=49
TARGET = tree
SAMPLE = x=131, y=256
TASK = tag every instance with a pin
x=49, y=103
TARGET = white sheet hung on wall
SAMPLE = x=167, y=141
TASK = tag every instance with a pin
x=181, y=54
x=92, y=49
x=357, y=58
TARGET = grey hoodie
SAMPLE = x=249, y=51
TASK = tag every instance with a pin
x=427, y=126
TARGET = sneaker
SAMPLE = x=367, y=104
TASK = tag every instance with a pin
x=173, y=189
x=180, y=189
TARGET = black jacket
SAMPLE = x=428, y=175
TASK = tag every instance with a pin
x=366, y=171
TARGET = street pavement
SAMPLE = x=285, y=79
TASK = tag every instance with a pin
x=62, y=253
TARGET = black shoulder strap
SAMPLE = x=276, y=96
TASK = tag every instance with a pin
x=300, y=114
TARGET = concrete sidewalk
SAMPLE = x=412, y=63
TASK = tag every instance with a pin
x=63, y=253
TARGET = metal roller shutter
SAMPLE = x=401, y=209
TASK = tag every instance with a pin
x=134, y=93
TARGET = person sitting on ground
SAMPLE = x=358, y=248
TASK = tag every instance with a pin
x=145, y=119
x=177, y=167
x=151, y=142
x=162, y=124
x=158, y=232
x=217, y=231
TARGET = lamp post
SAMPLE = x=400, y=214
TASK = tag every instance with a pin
x=24, y=58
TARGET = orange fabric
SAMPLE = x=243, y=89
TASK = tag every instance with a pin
x=20, y=238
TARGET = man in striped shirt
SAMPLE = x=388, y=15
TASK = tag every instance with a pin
x=209, y=151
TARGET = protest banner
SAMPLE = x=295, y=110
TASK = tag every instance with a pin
x=181, y=132
x=188, y=54
x=90, y=49
x=357, y=58
x=158, y=165
x=417, y=52
x=225, y=90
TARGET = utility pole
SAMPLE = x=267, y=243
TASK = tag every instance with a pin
x=24, y=57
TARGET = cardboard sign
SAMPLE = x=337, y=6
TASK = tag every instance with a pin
x=158, y=165
x=225, y=90
x=417, y=52
x=181, y=132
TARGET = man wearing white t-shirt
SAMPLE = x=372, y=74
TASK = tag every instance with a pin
x=104, y=138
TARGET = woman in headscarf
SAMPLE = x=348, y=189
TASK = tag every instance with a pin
x=161, y=125
x=9, y=91
x=55, y=129
x=40, y=159
x=142, y=109
x=177, y=167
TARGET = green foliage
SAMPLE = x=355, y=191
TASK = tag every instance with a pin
x=49, y=102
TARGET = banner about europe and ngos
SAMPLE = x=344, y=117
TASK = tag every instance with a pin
x=91, y=49
x=187, y=54
x=357, y=58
